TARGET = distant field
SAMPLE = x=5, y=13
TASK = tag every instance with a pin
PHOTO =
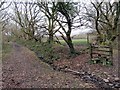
x=77, y=41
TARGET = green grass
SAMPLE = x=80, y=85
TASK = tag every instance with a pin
x=77, y=41
x=6, y=48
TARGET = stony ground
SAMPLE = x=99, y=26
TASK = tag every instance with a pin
x=81, y=63
x=22, y=69
x=100, y=75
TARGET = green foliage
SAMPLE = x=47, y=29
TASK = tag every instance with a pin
x=106, y=62
x=44, y=50
x=77, y=41
x=103, y=61
x=6, y=48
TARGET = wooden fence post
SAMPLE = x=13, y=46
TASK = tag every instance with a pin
x=90, y=46
x=88, y=39
x=111, y=52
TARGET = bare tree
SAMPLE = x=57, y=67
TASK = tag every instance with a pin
x=50, y=12
x=68, y=12
x=4, y=20
x=105, y=20
x=27, y=15
x=3, y=14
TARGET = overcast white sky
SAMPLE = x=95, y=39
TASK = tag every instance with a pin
x=74, y=32
x=86, y=1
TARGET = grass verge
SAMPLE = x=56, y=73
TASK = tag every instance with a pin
x=47, y=52
x=6, y=48
x=76, y=41
x=43, y=50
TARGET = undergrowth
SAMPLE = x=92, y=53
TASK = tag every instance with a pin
x=6, y=48
x=44, y=50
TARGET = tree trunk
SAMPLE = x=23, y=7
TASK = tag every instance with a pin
x=50, y=39
x=70, y=45
x=50, y=31
x=118, y=51
x=69, y=40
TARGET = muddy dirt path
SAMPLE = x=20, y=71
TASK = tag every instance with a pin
x=22, y=69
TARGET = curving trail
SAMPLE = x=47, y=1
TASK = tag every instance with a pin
x=22, y=69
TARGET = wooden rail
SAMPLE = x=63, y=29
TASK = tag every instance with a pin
x=101, y=52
